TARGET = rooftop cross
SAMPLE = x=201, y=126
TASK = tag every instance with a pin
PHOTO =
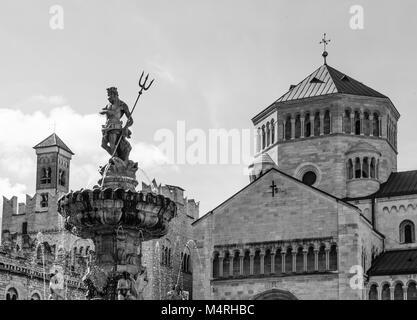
x=325, y=42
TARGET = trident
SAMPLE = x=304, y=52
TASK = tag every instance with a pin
x=143, y=87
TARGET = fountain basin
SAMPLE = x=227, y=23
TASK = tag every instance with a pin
x=88, y=212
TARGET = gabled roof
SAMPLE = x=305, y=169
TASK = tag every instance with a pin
x=399, y=184
x=53, y=141
x=327, y=80
x=395, y=262
x=291, y=178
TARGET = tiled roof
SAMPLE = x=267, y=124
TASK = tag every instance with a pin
x=52, y=141
x=327, y=80
x=399, y=184
x=395, y=262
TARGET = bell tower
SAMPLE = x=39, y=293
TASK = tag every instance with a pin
x=53, y=166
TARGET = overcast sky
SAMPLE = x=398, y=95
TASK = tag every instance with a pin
x=216, y=64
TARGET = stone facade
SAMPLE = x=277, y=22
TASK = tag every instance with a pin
x=168, y=260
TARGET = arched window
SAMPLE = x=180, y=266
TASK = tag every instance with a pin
x=398, y=291
x=246, y=263
x=407, y=232
x=299, y=260
x=333, y=258
x=326, y=129
x=311, y=260
x=322, y=259
x=263, y=137
x=272, y=131
x=357, y=123
x=268, y=134
x=373, y=292
x=357, y=168
x=288, y=261
x=81, y=251
x=267, y=262
x=317, y=124
x=12, y=294
x=288, y=128
x=350, y=169
x=216, y=265
x=307, y=125
x=375, y=125
x=386, y=292
x=297, y=126
x=365, y=168
x=366, y=124
x=169, y=257
x=278, y=262
x=347, y=126
x=412, y=291
x=35, y=296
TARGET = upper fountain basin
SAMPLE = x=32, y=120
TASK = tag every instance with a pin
x=87, y=212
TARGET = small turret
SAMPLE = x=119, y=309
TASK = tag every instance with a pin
x=260, y=165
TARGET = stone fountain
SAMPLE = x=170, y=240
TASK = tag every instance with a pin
x=114, y=215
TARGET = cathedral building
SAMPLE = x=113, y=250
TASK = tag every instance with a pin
x=326, y=215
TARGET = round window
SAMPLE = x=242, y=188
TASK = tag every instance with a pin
x=309, y=178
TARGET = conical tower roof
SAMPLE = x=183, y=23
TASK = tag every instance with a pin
x=53, y=141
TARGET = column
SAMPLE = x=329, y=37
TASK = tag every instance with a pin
x=391, y=291
x=221, y=266
x=241, y=256
x=305, y=252
x=294, y=261
x=283, y=131
x=262, y=258
x=361, y=164
x=380, y=126
x=331, y=123
x=273, y=261
x=405, y=288
x=327, y=250
x=321, y=123
x=316, y=259
x=252, y=258
x=312, y=125
x=302, y=120
x=231, y=265
x=352, y=119
x=292, y=128
x=361, y=117
x=371, y=125
x=283, y=261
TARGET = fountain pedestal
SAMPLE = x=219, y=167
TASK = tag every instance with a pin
x=117, y=218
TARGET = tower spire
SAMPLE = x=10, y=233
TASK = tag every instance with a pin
x=325, y=42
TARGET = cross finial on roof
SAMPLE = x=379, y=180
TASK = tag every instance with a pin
x=325, y=42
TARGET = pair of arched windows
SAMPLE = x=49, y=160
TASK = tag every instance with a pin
x=166, y=256
x=12, y=294
x=185, y=262
x=46, y=175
